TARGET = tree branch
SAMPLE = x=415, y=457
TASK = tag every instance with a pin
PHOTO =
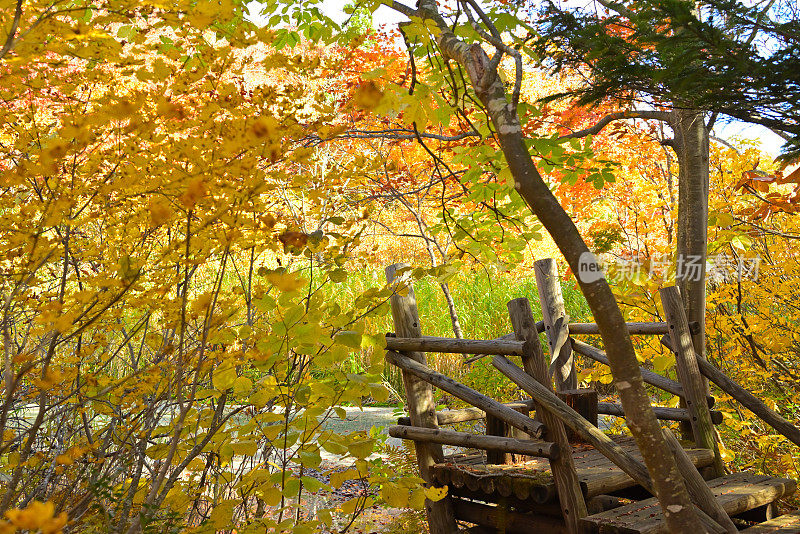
x=611, y=117
x=13, y=30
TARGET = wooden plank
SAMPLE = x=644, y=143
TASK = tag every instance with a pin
x=597, y=475
x=556, y=323
x=456, y=346
x=698, y=490
x=419, y=401
x=785, y=524
x=504, y=520
x=662, y=412
x=469, y=395
x=570, y=495
x=692, y=380
x=476, y=441
x=736, y=493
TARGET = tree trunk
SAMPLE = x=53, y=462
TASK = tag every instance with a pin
x=691, y=146
x=668, y=483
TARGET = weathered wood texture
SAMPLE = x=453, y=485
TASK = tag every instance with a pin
x=497, y=427
x=573, y=506
x=503, y=520
x=785, y=524
x=663, y=413
x=736, y=493
x=457, y=389
x=419, y=402
x=692, y=380
x=591, y=434
x=749, y=401
x=476, y=441
x=449, y=417
x=556, y=322
x=457, y=346
x=648, y=376
x=462, y=415
x=583, y=401
x=532, y=480
x=701, y=495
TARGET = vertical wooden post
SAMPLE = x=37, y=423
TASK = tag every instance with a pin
x=583, y=401
x=496, y=427
x=419, y=402
x=556, y=323
x=689, y=375
x=570, y=496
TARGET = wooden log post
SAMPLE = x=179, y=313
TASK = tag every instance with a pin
x=583, y=401
x=570, y=496
x=693, y=382
x=497, y=427
x=591, y=434
x=419, y=402
x=556, y=323
x=701, y=494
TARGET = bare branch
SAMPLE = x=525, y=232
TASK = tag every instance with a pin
x=619, y=115
x=13, y=30
x=391, y=133
x=724, y=143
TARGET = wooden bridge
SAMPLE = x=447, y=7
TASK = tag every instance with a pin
x=557, y=472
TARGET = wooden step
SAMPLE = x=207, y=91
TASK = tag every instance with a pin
x=785, y=524
x=736, y=493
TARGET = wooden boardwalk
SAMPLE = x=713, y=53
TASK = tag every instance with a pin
x=532, y=479
x=558, y=473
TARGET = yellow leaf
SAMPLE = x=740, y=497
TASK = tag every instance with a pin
x=361, y=449
x=394, y=495
x=338, y=478
x=271, y=495
x=434, y=493
x=224, y=377
x=285, y=281
x=242, y=386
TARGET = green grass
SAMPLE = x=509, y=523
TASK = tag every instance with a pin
x=480, y=299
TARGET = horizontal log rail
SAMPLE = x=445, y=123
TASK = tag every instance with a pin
x=463, y=415
x=663, y=413
x=543, y=449
x=654, y=379
x=457, y=346
x=534, y=428
x=749, y=401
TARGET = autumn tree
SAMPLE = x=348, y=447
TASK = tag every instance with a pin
x=688, y=64
x=460, y=63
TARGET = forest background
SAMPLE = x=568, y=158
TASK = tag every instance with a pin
x=197, y=211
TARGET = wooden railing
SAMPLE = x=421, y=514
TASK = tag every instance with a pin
x=406, y=349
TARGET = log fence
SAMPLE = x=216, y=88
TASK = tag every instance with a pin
x=521, y=453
